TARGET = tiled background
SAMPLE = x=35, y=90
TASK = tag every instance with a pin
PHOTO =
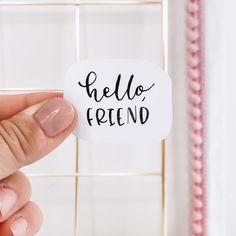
x=37, y=46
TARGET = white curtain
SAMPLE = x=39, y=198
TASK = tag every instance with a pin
x=221, y=82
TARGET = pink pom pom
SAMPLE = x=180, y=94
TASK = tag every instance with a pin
x=197, y=191
x=193, y=47
x=197, y=165
x=197, y=216
x=195, y=86
x=193, y=61
x=196, y=139
x=195, y=98
x=196, y=152
x=196, y=112
x=197, y=178
x=197, y=228
x=193, y=7
x=193, y=35
x=192, y=22
x=197, y=203
x=196, y=108
x=194, y=73
x=197, y=125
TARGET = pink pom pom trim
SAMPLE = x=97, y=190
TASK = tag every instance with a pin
x=197, y=126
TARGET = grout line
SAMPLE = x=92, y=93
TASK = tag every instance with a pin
x=78, y=3
x=85, y=175
x=164, y=19
x=77, y=32
x=76, y=188
x=9, y=91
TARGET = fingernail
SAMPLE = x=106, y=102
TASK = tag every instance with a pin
x=19, y=227
x=55, y=116
x=8, y=200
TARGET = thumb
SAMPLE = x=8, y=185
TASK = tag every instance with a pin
x=33, y=133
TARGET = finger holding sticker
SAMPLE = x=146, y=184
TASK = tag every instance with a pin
x=31, y=126
x=125, y=101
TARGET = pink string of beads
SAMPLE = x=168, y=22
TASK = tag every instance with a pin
x=196, y=125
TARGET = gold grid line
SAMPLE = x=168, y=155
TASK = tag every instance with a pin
x=10, y=91
x=77, y=36
x=76, y=175
x=164, y=21
x=163, y=188
x=95, y=174
x=78, y=3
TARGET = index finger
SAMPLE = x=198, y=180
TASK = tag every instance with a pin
x=10, y=105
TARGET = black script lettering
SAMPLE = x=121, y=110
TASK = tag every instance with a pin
x=88, y=84
x=89, y=119
x=100, y=114
x=144, y=115
x=107, y=93
x=119, y=116
x=131, y=113
x=110, y=110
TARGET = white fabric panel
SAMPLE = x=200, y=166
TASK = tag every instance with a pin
x=178, y=184
x=220, y=73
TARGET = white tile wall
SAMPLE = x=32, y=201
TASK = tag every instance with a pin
x=61, y=160
x=37, y=45
x=119, y=206
x=56, y=198
x=119, y=158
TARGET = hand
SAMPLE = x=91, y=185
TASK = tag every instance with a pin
x=31, y=126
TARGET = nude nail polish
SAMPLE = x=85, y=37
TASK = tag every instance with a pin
x=19, y=227
x=8, y=199
x=55, y=116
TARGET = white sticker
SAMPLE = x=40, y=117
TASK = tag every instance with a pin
x=125, y=101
